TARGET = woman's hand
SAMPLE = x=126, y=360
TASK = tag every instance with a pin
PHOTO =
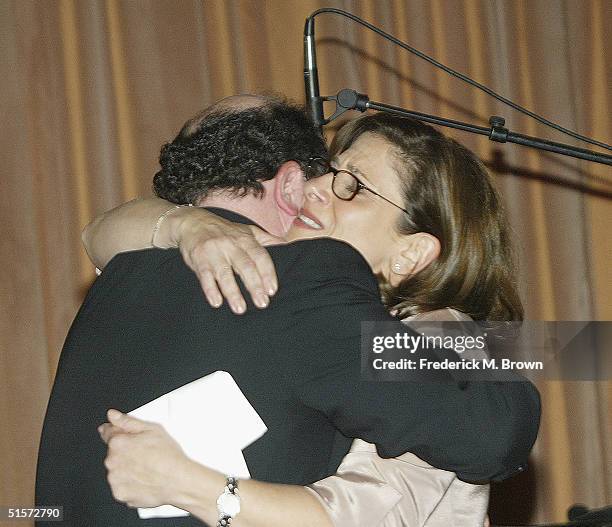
x=144, y=463
x=215, y=249
x=147, y=468
x=212, y=247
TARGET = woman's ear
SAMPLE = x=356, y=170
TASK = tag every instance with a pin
x=416, y=252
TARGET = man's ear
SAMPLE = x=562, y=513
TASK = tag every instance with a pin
x=415, y=253
x=289, y=187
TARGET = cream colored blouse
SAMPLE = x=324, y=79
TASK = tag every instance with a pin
x=370, y=491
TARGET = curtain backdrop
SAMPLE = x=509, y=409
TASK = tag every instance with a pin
x=92, y=88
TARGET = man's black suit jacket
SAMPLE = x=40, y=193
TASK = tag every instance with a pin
x=145, y=329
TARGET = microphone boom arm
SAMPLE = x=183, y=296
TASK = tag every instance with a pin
x=351, y=100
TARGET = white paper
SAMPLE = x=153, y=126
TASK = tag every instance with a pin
x=212, y=421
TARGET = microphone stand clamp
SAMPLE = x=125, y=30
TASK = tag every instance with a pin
x=346, y=100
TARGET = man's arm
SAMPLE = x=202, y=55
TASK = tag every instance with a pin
x=482, y=432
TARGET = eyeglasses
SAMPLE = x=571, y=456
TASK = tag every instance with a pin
x=345, y=184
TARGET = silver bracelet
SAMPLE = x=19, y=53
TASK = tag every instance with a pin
x=228, y=503
x=160, y=220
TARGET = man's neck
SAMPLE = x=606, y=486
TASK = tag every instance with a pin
x=259, y=210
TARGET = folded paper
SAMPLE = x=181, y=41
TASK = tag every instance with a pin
x=212, y=421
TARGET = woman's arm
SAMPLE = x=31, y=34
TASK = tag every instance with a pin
x=262, y=504
x=211, y=246
x=127, y=227
x=147, y=468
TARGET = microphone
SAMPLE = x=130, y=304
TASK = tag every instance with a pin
x=311, y=75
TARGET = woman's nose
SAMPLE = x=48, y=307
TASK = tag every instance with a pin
x=319, y=189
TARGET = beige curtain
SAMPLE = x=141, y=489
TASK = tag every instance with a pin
x=92, y=88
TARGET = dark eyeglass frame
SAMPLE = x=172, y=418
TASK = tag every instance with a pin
x=335, y=171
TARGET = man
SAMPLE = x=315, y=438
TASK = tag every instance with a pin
x=144, y=330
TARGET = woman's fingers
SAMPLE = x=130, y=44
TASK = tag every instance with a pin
x=232, y=260
x=253, y=265
x=217, y=260
x=228, y=286
x=207, y=262
x=209, y=286
x=128, y=423
x=120, y=423
x=244, y=256
x=262, y=258
x=141, y=462
x=107, y=431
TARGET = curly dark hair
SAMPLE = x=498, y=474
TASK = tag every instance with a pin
x=235, y=149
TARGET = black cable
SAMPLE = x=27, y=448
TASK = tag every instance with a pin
x=461, y=76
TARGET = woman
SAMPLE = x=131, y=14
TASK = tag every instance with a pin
x=421, y=210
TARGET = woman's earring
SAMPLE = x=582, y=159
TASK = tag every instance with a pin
x=397, y=268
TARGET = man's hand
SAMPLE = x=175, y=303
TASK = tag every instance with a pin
x=144, y=463
x=215, y=249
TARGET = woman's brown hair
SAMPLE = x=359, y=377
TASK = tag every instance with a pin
x=448, y=194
